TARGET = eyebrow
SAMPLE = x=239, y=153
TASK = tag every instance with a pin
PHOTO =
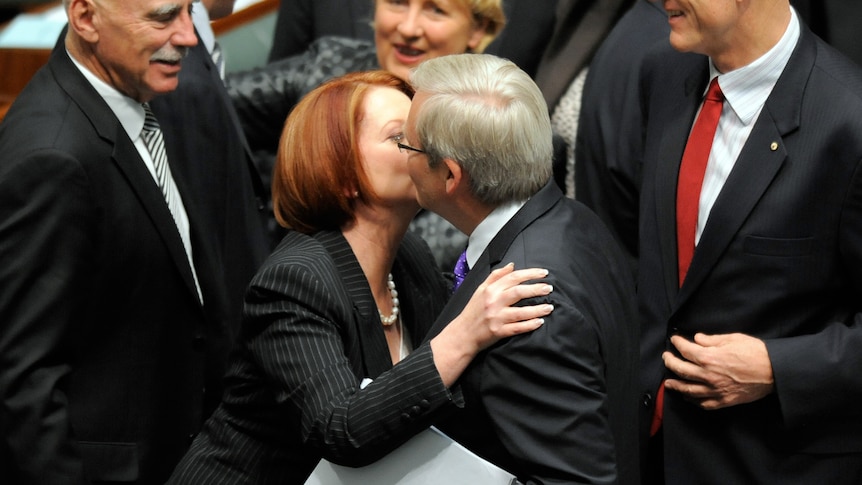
x=166, y=10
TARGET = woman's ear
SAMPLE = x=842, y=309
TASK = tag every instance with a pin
x=477, y=35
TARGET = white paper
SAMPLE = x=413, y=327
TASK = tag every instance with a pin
x=428, y=458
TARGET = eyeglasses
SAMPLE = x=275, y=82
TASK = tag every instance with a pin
x=402, y=147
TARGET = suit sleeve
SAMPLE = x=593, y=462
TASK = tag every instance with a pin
x=46, y=251
x=264, y=96
x=817, y=377
x=301, y=348
x=546, y=392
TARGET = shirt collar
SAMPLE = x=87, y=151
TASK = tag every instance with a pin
x=488, y=228
x=746, y=89
x=129, y=112
x=201, y=21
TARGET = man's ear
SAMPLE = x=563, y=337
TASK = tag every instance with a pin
x=81, y=20
x=455, y=178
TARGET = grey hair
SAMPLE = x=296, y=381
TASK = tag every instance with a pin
x=490, y=117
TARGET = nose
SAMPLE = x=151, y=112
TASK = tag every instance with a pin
x=410, y=26
x=185, y=30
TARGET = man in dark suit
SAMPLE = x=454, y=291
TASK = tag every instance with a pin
x=609, y=137
x=556, y=405
x=751, y=356
x=114, y=325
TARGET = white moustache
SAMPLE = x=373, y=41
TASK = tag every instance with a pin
x=170, y=54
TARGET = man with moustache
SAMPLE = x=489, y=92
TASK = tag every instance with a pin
x=750, y=248
x=113, y=331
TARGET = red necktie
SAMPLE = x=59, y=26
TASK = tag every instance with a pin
x=691, y=171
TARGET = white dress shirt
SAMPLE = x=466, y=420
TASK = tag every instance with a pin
x=745, y=92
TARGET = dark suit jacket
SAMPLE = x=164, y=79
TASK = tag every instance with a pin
x=581, y=25
x=311, y=334
x=557, y=405
x=609, y=141
x=108, y=356
x=779, y=259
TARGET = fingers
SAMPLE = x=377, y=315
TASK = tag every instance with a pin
x=688, y=349
x=507, y=276
x=702, y=395
x=684, y=369
x=499, y=273
x=513, y=315
x=517, y=328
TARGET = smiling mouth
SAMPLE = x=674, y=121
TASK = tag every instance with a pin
x=674, y=13
x=408, y=51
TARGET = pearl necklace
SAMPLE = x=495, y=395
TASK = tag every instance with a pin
x=392, y=318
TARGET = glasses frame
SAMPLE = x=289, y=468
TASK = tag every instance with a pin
x=402, y=147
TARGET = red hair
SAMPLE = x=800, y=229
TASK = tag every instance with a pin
x=318, y=168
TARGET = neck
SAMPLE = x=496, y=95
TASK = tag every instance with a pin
x=760, y=30
x=466, y=213
x=375, y=241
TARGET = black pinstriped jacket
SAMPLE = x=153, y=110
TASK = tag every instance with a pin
x=311, y=333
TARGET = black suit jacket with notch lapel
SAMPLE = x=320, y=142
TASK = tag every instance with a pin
x=557, y=405
x=108, y=354
x=311, y=334
x=778, y=259
x=214, y=169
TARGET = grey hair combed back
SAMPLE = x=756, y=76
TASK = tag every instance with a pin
x=490, y=117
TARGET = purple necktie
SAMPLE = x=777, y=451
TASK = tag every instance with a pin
x=461, y=270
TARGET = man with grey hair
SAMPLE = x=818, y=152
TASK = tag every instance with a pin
x=114, y=324
x=557, y=405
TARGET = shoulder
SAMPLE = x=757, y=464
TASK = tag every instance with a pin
x=840, y=75
x=298, y=254
x=300, y=276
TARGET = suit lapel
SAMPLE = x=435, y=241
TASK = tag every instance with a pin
x=756, y=167
x=125, y=156
x=375, y=350
x=493, y=255
x=673, y=140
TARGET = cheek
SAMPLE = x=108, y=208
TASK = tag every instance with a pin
x=448, y=39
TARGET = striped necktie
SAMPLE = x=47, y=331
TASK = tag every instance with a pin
x=152, y=136
x=218, y=58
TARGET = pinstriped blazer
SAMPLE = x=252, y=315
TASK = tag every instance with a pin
x=311, y=333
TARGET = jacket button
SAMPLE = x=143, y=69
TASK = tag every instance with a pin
x=647, y=400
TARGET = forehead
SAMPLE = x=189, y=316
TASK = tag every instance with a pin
x=382, y=103
x=461, y=4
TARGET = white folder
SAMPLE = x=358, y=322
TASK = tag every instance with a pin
x=430, y=457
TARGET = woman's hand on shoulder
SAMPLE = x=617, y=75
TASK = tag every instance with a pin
x=489, y=316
